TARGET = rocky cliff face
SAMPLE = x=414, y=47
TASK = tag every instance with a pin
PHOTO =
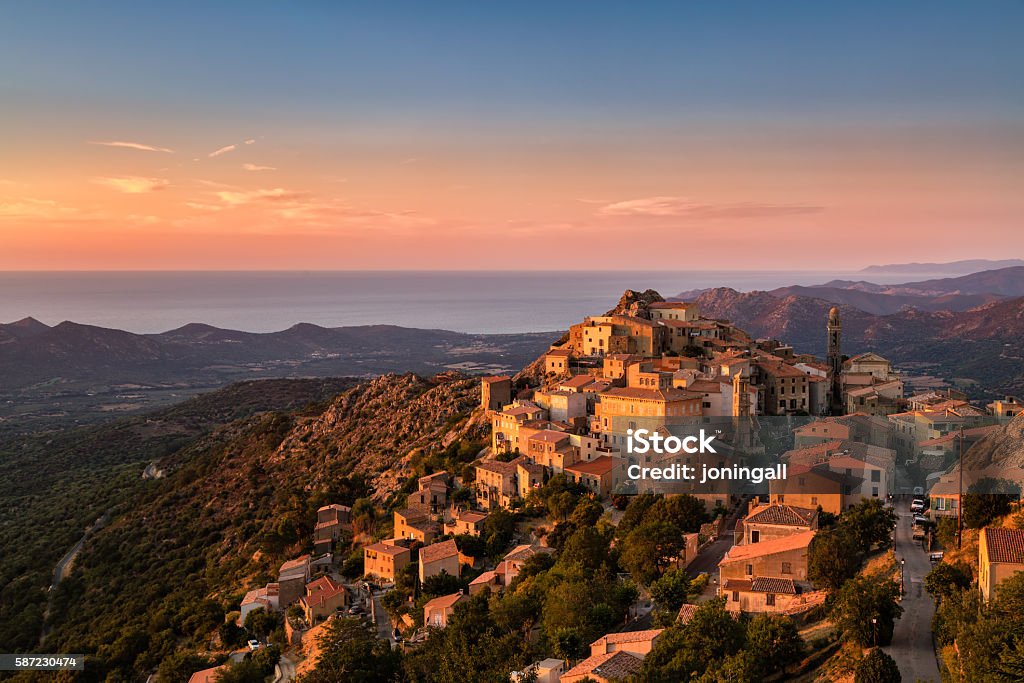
x=1003, y=449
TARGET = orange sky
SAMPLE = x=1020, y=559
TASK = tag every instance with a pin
x=132, y=150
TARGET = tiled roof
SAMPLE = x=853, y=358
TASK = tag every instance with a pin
x=598, y=466
x=629, y=636
x=387, y=548
x=207, y=675
x=782, y=514
x=776, y=545
x=686, y=612
x=550, y=436
x=444, y=602
x=652, y=394
x=618, y=664
x=495, y=378
x=1004, y=545
x=506, y=469
x=737, y=584
x=773, y=584
x=438, y=551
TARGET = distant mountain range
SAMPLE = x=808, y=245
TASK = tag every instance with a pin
x=945, y=269
x=114, y=370
x=961, y=293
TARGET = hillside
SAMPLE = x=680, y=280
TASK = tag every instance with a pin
x=238, y=501
x=57, y=483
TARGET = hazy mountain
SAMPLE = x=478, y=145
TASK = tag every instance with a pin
x=952, y=268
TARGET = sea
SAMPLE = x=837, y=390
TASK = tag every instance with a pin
x=463, y=301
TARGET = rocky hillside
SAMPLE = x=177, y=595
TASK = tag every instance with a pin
x=1003, y=449
x=238, y=501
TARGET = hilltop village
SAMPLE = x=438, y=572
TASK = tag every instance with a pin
x=540, y=540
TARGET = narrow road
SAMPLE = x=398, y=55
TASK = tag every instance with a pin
x=285, y=670
x=381, y=619
x=912, y=640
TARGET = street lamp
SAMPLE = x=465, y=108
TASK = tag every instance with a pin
x=874, y=629
x=903, y=565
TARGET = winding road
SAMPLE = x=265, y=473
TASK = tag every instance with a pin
x=912, y=646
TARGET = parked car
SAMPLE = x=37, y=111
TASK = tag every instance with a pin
x=918, y=491
x=917, y=505
x=253, y=645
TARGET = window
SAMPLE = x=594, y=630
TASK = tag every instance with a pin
x=787, y=567
x=769, y=599
x=874, y=491
x=876, y=475
x=750, y=570
x=755, y=536
x=735, y=596
x=814, y=500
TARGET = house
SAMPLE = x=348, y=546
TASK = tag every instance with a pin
x=490, y=580
x=266, y=598
x=529, y=476
x=784, y=557
x=513, y=561
x=944, y=496
x=552, y=449
x=556, y=361
x=599, y=476
x=562, y=405
x=208, y=675
x=385, y=559
x=439, y=557
x=495, y=392
x=612, y=667
x=785, y=389
x=686, y=311
x=686, y=613
x=414, y=525
x=506, y=425
x=323, y=598
x=292, y=580
x=431, y=494
x=545, y=671
x=621, y=408
x=761, y=594
x=1006, y=408
x=819, y=432
x=639, y=643
x=466, y=522
x=330, y=521
x=437, y=611
x=496, y=484
x=1000, y=556
x=811, y=487
x=768, y=522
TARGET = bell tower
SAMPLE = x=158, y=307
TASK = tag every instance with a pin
x=835, y=357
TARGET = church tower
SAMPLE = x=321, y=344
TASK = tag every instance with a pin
x=835, y=357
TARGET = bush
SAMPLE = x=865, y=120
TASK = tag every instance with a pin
x=877, y=667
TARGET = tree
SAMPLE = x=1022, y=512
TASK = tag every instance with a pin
x=741, y=667
x=649, y=549
x=686, y=651
x=586, y=512
x=831, y=560
x=1011, y=659
x=946, y=579
x=877, y=667
x=441, y=584
x=671, y=589
x=245, y=671
x=776, y=640
x=586, y=549
x=869, y=523
x=988, y=499
x=261, y=623
x=499, y=527
x=351, y=652
x=866, y=609
x=180, y=666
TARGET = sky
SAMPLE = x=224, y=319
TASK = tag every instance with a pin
x=526, y=135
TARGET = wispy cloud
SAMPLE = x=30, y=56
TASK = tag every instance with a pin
x=250, y=141
x=223, y=150
x=257, y=167
x=131, y=145
x=134, y=184
x=410, y=160
x=683, y=207
x=30, y=207
x=277, y=194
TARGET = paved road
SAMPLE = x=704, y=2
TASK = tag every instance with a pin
x=285, y=671
x=912, y=640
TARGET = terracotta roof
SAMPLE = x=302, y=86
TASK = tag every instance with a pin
x=672, y=304
x=1004, y=545
x=628, y=636
x=557, y=352
x=779, y=369
x=506, y=469
x=206, y=675
x=300, y=561
x=786, y=515
x=438, y=551
x=471, y=516
x=485, y=578
x=686, y=612
x=577, y=382
x=495, y=378
x=444, y=602
x=522, y=552
x=387, y=548
x=773, y=584
x=737, y=584
x=776, y=545
x=550, y=436
x=598, y=466
x=618, y=664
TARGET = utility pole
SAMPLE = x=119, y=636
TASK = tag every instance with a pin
x=960, y=498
